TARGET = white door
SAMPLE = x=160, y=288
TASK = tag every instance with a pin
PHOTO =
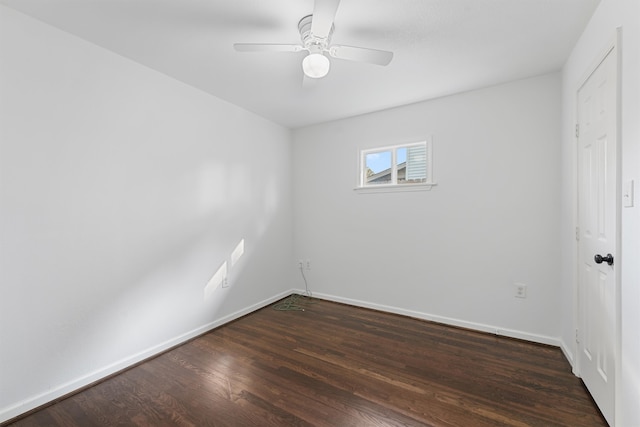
x=597, y=222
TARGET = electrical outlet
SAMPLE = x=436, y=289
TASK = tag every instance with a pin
x=521, y=290
x=225, y=283
x=308, y=264
x=300, y=264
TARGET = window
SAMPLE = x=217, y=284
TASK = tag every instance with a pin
x=396, y=168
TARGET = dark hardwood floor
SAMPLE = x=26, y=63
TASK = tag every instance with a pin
x=336, y=365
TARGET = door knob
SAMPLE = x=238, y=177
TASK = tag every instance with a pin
x=599, y=259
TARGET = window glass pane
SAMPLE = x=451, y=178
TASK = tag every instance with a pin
x=399, y=165
x=415, y=166
x=377, y=168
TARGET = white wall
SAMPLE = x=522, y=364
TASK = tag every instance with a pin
x=611, y=14
x=122, y=191
x=452, y=253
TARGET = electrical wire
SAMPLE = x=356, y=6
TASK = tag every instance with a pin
x=290, y=303
x=307, y=292
x=294, y=302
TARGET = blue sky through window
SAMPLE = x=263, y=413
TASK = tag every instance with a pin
x=380, y=161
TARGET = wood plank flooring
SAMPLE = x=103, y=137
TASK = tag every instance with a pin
x=336, y=365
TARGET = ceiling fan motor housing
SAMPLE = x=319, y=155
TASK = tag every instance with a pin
x=310, y=41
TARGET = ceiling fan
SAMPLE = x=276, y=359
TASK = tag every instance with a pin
x=315, y=32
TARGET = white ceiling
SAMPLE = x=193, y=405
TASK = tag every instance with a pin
x=440, y=47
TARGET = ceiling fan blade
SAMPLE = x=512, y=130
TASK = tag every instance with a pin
x=267, y=47
x=324, y=12
x=361, y=54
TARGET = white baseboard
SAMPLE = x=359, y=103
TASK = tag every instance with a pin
x=60, y=390
x=511, y=333
x=568, y=354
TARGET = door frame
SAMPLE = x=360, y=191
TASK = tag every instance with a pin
x=613, y=45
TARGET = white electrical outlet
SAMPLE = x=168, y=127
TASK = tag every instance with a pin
x=521, y=290
x=308, y=264
x=300, y=264
x=225, y=283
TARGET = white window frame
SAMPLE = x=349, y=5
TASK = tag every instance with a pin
x=394, y=186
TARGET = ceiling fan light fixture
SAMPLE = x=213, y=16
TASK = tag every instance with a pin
x=315, y=65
